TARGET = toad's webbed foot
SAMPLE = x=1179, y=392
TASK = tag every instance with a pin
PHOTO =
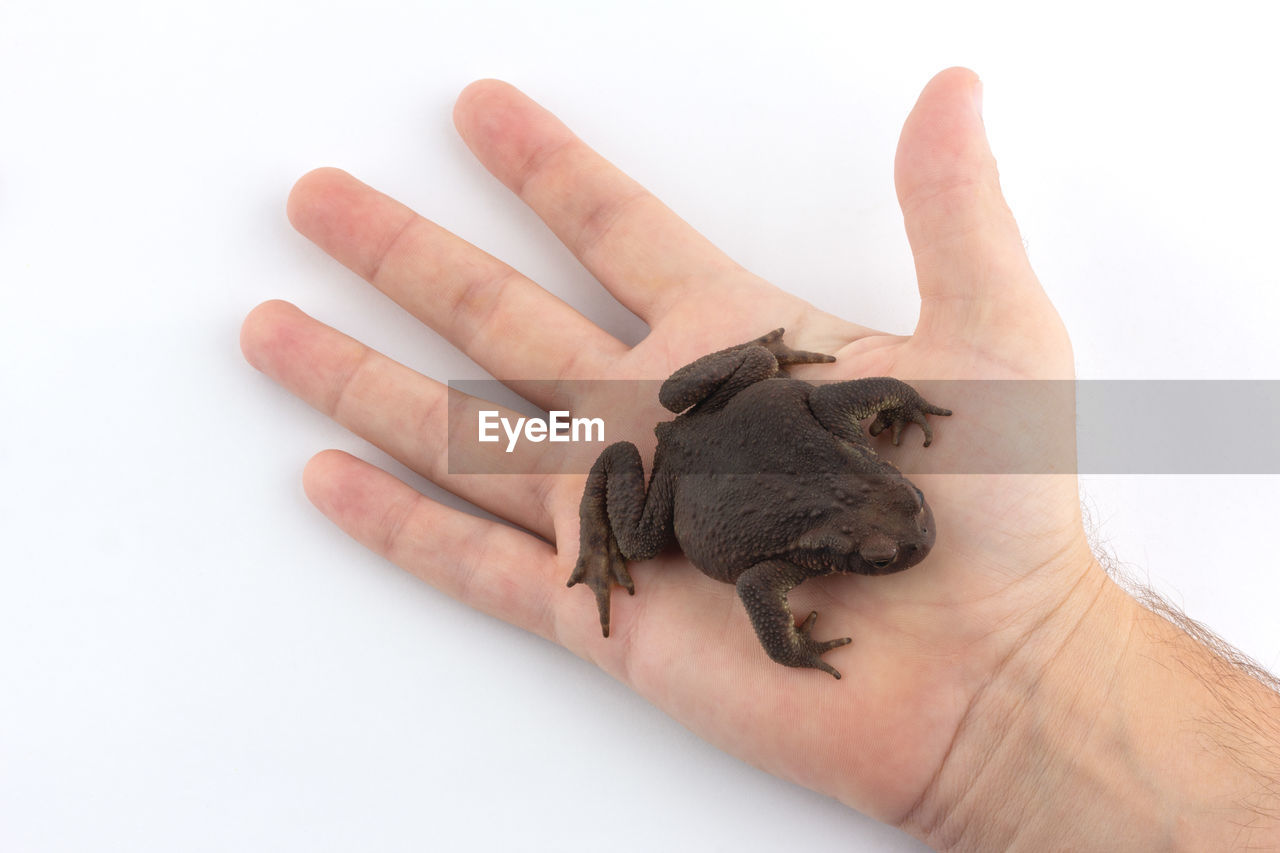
x=763, y=589
x=785, y=355
x=809, y=651
x=909, y=412
x=600, y=566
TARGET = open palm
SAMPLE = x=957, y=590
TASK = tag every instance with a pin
x=926, y=642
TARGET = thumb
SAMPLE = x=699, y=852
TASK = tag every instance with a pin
x=970, y=264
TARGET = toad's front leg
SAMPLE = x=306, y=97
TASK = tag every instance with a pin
x=619, y=522
x=763, y=589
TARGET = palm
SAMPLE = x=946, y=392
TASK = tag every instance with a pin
x=923, y=641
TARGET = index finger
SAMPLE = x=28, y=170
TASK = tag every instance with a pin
x=637, y=247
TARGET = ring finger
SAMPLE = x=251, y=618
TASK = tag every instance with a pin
x=399, y=410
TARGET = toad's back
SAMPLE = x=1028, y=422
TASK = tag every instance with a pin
x=753, y=476
x=767, y=428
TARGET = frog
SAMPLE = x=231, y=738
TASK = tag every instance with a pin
x=764, y=481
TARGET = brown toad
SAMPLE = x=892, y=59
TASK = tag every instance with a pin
x=764, y=481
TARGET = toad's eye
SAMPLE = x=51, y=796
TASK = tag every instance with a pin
x=919, y=497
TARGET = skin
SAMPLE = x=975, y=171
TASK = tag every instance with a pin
x=958, y=718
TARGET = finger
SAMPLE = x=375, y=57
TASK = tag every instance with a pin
x=399, y=410
x=645, y=255
x=486, y=565
x=504, y=322
x=966, y=244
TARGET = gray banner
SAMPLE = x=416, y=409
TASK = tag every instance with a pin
x=997, y=427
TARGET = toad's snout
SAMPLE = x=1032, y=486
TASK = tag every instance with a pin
x=883, y=554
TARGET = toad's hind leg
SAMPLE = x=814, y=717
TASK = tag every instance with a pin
x=618, y=521
x=894, y=403
x=763, y=589
x=709, y=382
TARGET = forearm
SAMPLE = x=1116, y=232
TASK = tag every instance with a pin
x=1110, y=728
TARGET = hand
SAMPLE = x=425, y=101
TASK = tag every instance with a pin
x=1011, y=574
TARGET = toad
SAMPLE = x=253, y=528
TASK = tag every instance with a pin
x=763, y=480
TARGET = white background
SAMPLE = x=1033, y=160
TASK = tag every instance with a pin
x=192, y=658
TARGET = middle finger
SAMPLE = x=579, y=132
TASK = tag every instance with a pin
x=503, y=321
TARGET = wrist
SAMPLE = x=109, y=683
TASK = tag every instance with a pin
x=1107, y=727
x=1203, y=728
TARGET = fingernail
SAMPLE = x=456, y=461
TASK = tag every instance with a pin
x=977, y=97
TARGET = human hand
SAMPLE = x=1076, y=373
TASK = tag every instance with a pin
x=1011, y=574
